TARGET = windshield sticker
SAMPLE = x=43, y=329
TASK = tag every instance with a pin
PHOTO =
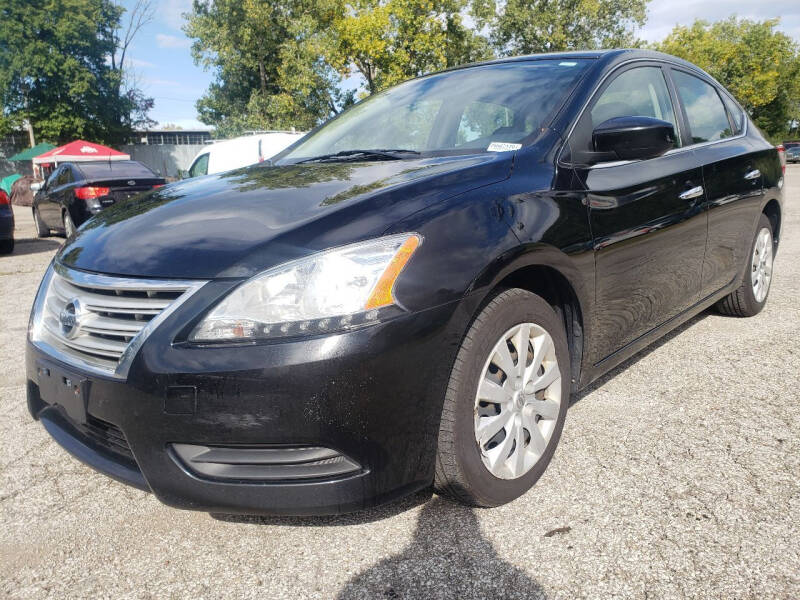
x=503, y=147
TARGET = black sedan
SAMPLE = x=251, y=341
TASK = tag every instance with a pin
x=408, y=296
x=6, y=224
x=76, y=191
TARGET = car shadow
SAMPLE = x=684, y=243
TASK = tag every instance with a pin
x=35, y=246
x=600, y=382
x=448, y=558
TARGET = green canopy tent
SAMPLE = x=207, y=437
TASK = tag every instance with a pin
x=30, y=153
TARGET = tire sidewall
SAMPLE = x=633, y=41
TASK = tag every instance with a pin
x=753, y=305
x=69, y=225
x=515, y=307
x=41, y=229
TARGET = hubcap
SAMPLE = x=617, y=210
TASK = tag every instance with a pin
x=518, y=401
x=761, y=271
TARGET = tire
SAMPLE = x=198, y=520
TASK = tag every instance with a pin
x=462, y=465
x=744, y=301
x=6, y=246
x=69, y=226
x=42, y=230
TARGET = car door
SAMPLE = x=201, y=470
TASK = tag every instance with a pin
x=646, y=218
x=62, y=194
x=731, y=175
x=50, y=207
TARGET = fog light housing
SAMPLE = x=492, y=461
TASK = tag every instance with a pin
x=264, y=463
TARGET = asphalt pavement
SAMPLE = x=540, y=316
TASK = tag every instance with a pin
x=678, y=475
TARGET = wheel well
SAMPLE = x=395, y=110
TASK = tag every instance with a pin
x=773, y=212
x=551, y=285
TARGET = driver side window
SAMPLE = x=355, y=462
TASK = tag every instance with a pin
x=200, y=166
x=637, y=92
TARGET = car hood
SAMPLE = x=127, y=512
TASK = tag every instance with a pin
x=238, y=223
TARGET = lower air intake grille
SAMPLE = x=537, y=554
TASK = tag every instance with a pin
x=106, y=435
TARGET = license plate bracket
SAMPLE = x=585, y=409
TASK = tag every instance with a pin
x=68, y=390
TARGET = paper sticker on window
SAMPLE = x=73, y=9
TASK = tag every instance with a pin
x=503, y=147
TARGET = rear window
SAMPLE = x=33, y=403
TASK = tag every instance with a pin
x=116, y=169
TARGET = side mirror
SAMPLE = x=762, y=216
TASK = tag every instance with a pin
x=182, y=174
x=36, y=186
x=632, y=138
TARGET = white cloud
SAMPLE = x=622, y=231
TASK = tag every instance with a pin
x=663, y=15
x=135, y=62
x=172, y=41
x=161, y=82
x=170, y=12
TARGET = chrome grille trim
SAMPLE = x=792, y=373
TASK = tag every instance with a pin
x=116, y=315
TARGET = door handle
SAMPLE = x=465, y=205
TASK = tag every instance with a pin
x=754, y=174
x=694, y=192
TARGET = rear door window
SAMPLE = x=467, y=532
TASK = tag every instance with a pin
x=708, y=120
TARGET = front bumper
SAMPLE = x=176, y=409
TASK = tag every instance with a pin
x=373, y=395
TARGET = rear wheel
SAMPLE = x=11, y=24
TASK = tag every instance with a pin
x=751, y=296
x=69, y=226
x=506, y=402
x=42, y=230
x=6, y=246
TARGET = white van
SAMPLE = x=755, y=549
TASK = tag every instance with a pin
x=241, y=152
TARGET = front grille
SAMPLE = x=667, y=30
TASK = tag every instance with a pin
x=97, y=320
x=106, y=435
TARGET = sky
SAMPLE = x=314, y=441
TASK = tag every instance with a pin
x=163, y=65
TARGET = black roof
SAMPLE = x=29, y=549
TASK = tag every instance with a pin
x=609, y=57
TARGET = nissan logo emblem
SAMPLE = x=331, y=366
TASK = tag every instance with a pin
x=69, y=318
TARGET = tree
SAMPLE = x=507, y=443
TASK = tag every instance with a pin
x=757, y=63
x=56, y=71
x=531, y=26
x=389, y=41
x=268, y=57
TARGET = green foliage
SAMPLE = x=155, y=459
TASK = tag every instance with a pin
x=757, y=63
x=531, y=26
x=55, y=71
x=389, y=41
x=268, y=59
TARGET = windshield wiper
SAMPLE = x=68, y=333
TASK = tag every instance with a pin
x=382, y=154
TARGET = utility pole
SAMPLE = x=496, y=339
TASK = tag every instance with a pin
x=29, y=127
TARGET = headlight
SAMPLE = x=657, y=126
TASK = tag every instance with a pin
x=334, y=290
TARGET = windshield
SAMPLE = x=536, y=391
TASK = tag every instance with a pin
x=477, y=109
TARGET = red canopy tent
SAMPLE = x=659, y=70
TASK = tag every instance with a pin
x=79, y=151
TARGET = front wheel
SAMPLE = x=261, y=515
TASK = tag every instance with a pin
x=751, y=296
x=506, y=402
x=6, y=246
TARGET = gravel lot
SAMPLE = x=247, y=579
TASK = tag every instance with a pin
x=678, y=475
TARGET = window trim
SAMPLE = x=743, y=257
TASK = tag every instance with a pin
x=666, y=65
